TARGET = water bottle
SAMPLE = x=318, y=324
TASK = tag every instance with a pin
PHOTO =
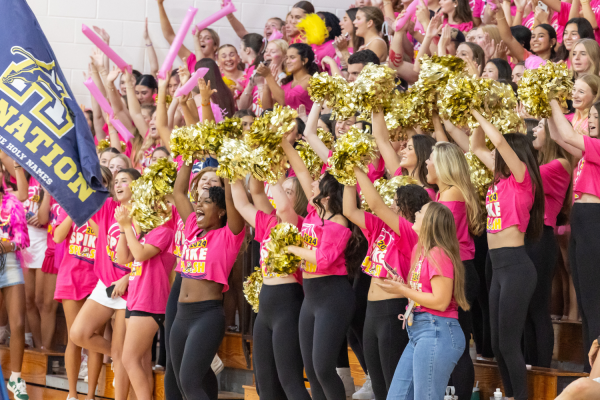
x=497, y=395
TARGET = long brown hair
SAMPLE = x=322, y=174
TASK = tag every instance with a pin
x=463, y=11
x=223, y=96
x=301, y=201
x=356, y=41
x=438, y=230
x=196, y=180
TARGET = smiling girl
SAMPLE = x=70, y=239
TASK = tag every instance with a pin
x=586, y=92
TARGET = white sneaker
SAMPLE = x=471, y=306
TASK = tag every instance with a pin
x=365, y=392
x=217, y=365
x=4, y=335
x=18, y=388
x=347, y=379
x=71, y=398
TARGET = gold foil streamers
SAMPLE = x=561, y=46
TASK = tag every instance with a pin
x=252, y=287
x=278, y=260
x=387, y=189
x=355, y=148
x=105, y=144
x=235, y=159
x=372, y=88
x=308, y=155
x=538, y=86
x=149, y=208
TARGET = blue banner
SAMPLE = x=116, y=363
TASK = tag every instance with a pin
x=41, y=124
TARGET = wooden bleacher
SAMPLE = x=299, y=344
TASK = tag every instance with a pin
x=544, y=384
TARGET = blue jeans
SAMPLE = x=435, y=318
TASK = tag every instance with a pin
x=436, y=344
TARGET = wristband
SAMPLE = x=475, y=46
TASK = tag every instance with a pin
x=121, y=232
x=149, y=45
x=205, y=105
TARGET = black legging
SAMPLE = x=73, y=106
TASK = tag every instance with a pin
x=512, y=284
x=325, y=317
x=463, y=375
x=384, y=341
x=276, y=352
x=584, y=256
x=480, y=311
x=539, y=334
x=172, y=392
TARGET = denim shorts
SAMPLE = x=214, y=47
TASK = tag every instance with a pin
x=13, y=273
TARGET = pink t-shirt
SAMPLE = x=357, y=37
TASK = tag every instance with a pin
x=76, y=278
x=437, y=263
x=385, y=245
x=263, y=224
x=476, y=8
x=106, y=267
x=149, y=280
x=555, y=180
x=465, y=241
x=295, y=96
x=588, y=169
x=323, y=50
x=430, y=191
x=212, y=256
x=508, y=203
x=329, y=239
x=463, y=27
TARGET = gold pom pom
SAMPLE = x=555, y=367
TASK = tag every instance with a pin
x=149, y=208
x=355, y=148
x=387, y=189
x=307, y=154
x=337, y=93
x=203, y=139
x=102, y=145
x=235, y=159
x=481, y=177
x=314, y=29
x=252, y=287
x=538, y=86
x=279, y=261
x=372, y=88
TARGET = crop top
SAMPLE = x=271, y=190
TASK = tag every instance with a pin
x=385, y=245
x=555, y=179
x=586, y=175
x=465, y=241
x=212, y=256
x=263, y=224
x=508, y=203
x=329, y=239
x=437, y=263
x=295, y=96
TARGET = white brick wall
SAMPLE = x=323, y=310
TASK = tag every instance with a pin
x=124, y=20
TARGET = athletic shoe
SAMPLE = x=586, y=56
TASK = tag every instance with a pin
x=348, y=380
x=217, y=365
x=18, y=388
x=365, y=392
x=4, y=336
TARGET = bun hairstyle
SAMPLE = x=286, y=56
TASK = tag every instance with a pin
x=306, y=53
x=147, y=80
x=257, y=43
x=357, y=41
x=306, y=6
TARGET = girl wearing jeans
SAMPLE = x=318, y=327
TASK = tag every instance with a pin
x=437, y=286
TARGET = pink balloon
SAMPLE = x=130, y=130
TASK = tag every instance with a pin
x=275, y=35
x=105, y=106
x=176, y=45
x=410, y=12
x=193, y=81
x=223, y=12
x=110, y=53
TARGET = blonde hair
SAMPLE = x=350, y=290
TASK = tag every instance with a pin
x=593, y=81
x=214, y=35
x=301, y=201
x=281, y=44
x=452, y=169
x=438, y=229
x=125, y=159
x=196, y=180
x=593, y=51
x=493, y=32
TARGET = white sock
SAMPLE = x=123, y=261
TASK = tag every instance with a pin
x=4, y=328
x=343, y=371
x=14, y=376
x=28, y=335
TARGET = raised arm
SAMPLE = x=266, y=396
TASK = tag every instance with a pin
x=235, y=221
x=168, y=32
x=237, y=26
x=135, y=110
x=259, y=197
x=375, y=201
x=152, y=58
x=285, y=209
x=479, y=148
x=310, y=133
x=205, y=94
x=240, y=200
x=438, y=129
x=516, y=166
x=459, y=136
x=180, y=192
x=306, y=180
x=516, y=50
x=161, y=114
x=382, y=138
x=113, y=136
x=434, y=28
x=351, y=210
x=565, y=130
x=557, y=137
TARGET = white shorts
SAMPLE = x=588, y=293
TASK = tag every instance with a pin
x=100, y=297
x=38, y=242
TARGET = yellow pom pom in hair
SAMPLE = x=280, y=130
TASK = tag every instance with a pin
x=314, y=29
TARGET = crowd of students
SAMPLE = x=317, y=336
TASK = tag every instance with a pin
x=407, y=286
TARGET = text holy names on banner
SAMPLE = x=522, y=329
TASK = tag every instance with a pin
x=41, y=124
